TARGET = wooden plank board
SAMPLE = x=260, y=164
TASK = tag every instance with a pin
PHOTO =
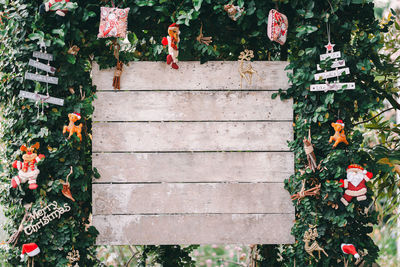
x=190, y=198
x=194, y=229
x=213, y=75
x=190, y=106
x=191, y=136
x=189, y=167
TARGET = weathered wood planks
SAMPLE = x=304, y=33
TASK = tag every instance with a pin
x=191, y=136
x=188, y=167
x=188, y=157
x=190, y=198
x=213, y=75
x=190, y=106
x=194, y=229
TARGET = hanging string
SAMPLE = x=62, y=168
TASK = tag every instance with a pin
x=328, y=31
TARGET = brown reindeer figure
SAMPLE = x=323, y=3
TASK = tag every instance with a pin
x=339, y=136
x=72, y=128
x=246, y=55
x=310, y=235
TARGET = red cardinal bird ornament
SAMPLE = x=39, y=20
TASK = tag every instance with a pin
x=172, y=41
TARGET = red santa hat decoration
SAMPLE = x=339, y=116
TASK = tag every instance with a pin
x=350, y=249
x=355, y=184
x=30, y=249
x=172, y=41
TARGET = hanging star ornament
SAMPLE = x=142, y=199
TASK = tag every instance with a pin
x=329, y=47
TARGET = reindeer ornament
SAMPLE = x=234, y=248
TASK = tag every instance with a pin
x=72, y=128
x=339, y=136
x=310, y=235
x=27, y=170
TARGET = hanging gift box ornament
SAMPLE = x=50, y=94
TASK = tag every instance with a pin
x=72, y=128
x=234, y=12
x=339, y=136
x=277, y=27
x=338, y=71
x=172, y=41
x=31, y=250
x=27, y=170
x=355, y=184
x=113, y=22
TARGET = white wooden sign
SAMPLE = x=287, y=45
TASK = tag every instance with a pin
x=187, y=157
x=40, y=98
x=42, y=66
x=41, y=78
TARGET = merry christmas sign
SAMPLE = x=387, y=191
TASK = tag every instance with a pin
x=189, y=157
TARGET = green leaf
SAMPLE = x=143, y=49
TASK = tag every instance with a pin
x=197, y=4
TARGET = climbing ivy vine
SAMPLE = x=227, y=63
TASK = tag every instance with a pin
x=354, y=30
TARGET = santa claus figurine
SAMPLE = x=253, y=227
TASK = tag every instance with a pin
x=45, y=7
x=172, y=40
x=355, y=184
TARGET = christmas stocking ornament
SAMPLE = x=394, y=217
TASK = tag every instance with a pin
x=27, y=170
x=277, y=27
x=172, y=41
x=46, y=7
x=355, y=184
x=350, y=249
x=339, y=136
x=72, y=128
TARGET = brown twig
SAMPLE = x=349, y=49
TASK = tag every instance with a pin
x=304, y=193
x=373, y=116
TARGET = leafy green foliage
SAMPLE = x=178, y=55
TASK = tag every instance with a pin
x=354, y=30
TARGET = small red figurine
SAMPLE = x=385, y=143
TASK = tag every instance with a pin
x=172, y=40
x=27, y=170
x=355, y=184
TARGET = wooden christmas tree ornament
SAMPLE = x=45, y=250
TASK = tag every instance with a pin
x=305, y=193
x=339, y=71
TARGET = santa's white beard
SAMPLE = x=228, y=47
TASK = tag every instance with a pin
x=355, y=178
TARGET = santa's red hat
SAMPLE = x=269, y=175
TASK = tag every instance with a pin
x=350, y=249
x=355, y=166
x=31, y=249
x=173, y=25
x=77, y=114
x=340, y=122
